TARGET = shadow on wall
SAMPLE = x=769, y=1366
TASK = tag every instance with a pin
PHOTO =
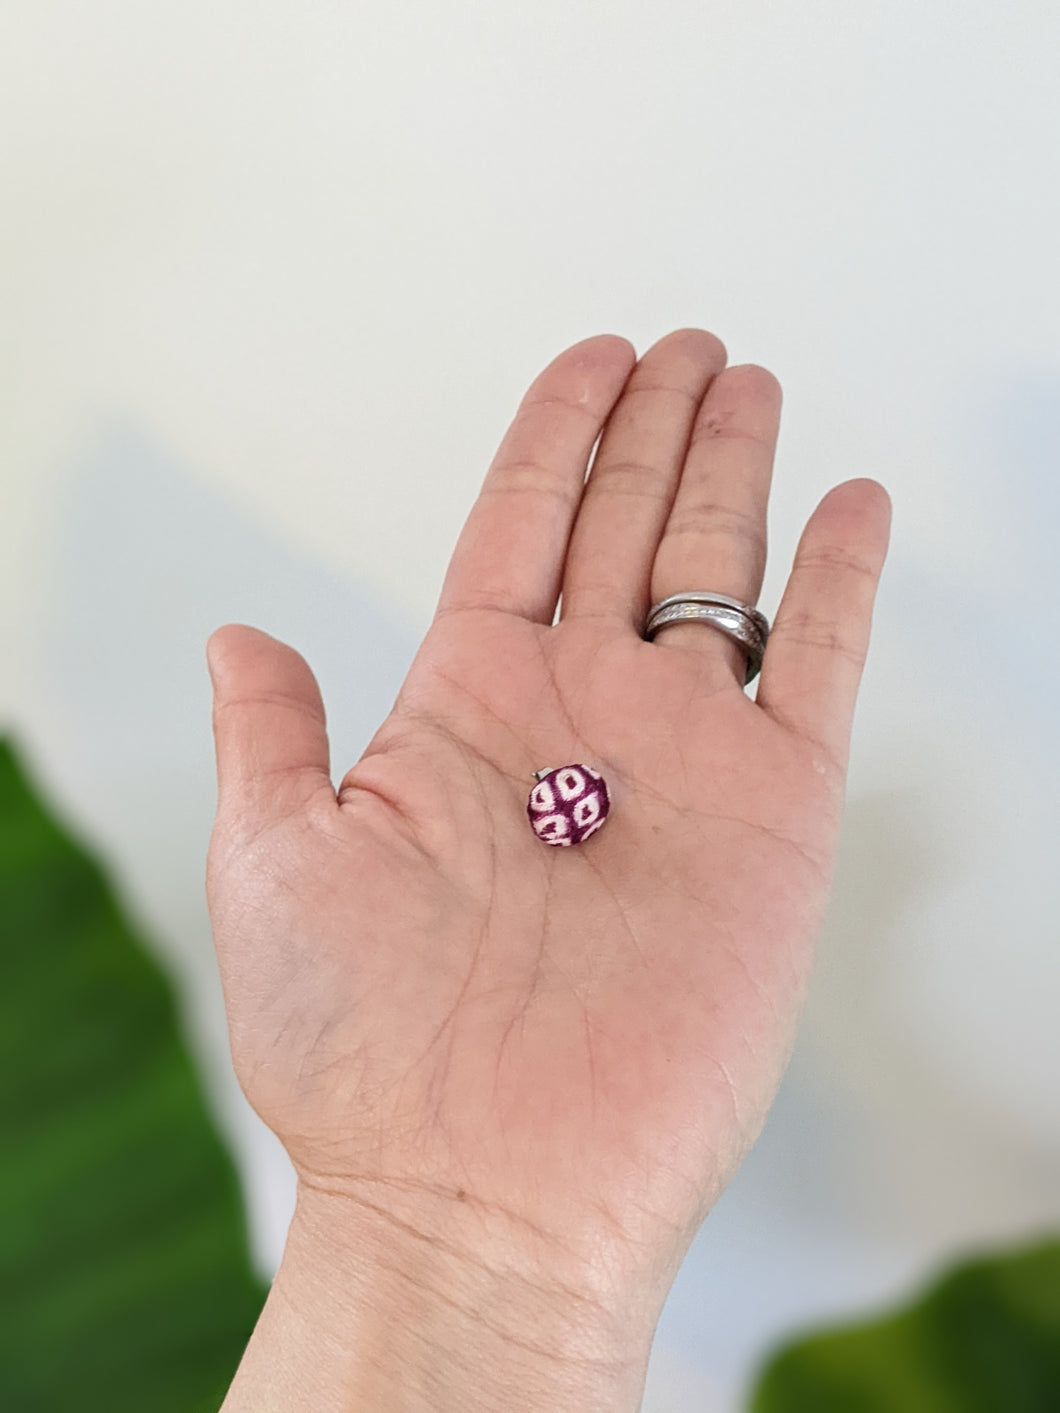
x=148, y=562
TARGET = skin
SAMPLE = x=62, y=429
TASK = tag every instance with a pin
x=513, y=1079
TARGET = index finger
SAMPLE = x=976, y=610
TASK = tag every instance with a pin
x=510, y=553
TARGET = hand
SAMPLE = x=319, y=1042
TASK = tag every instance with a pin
x=553, y=1058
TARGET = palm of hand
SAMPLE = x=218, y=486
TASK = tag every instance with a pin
x=423, y=995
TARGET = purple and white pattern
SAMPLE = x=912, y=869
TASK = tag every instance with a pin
x=568, y=803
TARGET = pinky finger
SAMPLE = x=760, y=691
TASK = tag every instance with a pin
x=816, y=650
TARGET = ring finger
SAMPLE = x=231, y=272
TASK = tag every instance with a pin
x=715, y=535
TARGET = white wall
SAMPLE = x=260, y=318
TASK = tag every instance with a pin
x=273, y=277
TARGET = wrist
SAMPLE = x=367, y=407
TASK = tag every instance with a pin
x=435, y=1308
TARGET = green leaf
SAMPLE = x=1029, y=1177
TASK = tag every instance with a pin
x=984, y=1339
x=125, y=1279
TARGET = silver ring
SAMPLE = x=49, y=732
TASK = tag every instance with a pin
x=742, y=622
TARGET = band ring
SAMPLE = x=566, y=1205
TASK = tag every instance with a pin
x=743, y=623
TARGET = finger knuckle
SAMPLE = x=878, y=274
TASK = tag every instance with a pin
x=528, y=476
x=833, y=559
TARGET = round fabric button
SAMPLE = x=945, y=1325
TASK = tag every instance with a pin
x=568, y=803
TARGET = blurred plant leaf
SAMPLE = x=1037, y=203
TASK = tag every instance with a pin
x=984, y=1339
x=125, y=1281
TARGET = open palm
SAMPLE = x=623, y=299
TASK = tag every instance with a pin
x=431, y=1007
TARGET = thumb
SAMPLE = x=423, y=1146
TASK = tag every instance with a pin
x=268, y=724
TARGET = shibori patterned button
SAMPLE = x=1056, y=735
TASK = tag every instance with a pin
x=568, y=803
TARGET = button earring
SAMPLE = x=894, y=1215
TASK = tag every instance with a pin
x=568, y=803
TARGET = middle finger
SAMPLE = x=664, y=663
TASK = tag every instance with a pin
x=634, y=477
